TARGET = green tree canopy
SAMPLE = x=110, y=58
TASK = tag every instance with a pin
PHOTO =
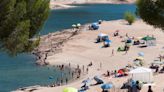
x=20, y=20
x=130, y=17
x=152, y=12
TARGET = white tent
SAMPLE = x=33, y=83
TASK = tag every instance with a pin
x=102, y=35
x=142, y=74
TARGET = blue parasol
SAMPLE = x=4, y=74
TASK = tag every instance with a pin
x=106, y=86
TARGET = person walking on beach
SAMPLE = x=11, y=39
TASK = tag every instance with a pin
x=61, y=81
x=79, y=73
x=100, y=65
x=69, y=64
x=157, y=69
x=150, y=89
x=160, y=57
x=112, y=52
x=108, y=73
x=127, y=35
x=66, y=80
x=138, y=87
x=72, y=74
x=115, y=73
x=87, y=70
x=78, y=66
x=83, y=68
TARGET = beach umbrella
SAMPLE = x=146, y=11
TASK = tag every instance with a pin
x=107, y=86
x=141, y=54
x=147, y=38
x=78, y=24
x=73, y=25
x=100, y=20
x=70, y=89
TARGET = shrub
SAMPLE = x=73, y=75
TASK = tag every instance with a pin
x=130, y=17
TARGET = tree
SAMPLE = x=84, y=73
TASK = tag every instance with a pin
x=21, y=20
x=130, y=17
x=152, y=12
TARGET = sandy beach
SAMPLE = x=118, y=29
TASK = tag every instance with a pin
x=59, y=5
x=65, y=4
x=81, y=49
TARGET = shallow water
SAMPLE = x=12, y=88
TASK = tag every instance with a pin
x=21, y=71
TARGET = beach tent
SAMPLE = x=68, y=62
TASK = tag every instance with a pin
x=95, y=26
x=102, y=37
x=142, y=74
x=70, y=89
x=74, y=26
x=147, y=38
x=150, y=41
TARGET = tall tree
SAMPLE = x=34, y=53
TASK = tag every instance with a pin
x=152, y=12
x=20, y=20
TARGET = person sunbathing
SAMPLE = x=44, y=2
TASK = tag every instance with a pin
x=116, y=33
x=162, y=70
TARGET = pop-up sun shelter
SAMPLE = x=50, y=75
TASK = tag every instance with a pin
x=150, y=41
x=142, y=74
x=102, y=37
x=95, y=26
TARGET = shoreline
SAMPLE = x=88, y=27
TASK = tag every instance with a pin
x=81, y=47
x=55, y=5
x=48, y=48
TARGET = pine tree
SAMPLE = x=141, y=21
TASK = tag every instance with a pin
x=152, y=12
x=21, y=20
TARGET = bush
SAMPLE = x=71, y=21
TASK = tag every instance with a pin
x=130, y=17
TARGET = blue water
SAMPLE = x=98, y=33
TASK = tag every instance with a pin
x=21, y=71
x=63, y=19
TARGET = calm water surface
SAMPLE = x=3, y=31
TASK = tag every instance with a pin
x=63, y=19
x=21, y=71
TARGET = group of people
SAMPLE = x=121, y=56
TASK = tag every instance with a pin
x=135, y=86
x=73, y=73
